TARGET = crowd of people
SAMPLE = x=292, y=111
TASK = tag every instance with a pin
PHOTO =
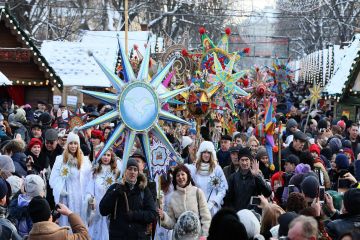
x=53, y=187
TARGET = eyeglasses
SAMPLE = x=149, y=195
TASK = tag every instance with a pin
x=49, y=142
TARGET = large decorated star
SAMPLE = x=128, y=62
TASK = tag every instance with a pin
x=315, y=95
x=136, y=106
x=227, y=80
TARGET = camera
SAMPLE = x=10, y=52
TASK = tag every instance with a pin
x=55, y=214
x=255, y=201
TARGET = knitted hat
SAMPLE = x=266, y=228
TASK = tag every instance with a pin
x=132, y=163
x=315, y=148
x=226, y=137
x=187, y=227
x=261, y=153
x=5, y=189
x=72, y=137
x=15, y=183
x=302, y=168
x=322, y=124
x=186, y=141
x=34, y=185
x=346, y=143
x=326, y=152
x=39, y=210
x=97, y=134
x=226, y=224
x=206, y=146
x=293, y=159
x=20, y=115
x=310, y=187
x=45, y=119
x=250, y=222
x=350, y=152
x=341, y=124
x=33, y=142
x=51, y=135
x=139, y=154
x=352, y=201
x=291, y=123
x=335, y=144
x=284, y=222
x=6, y=164
x=342, y=161
x=245, y=152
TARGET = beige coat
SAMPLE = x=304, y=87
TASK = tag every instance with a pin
x=51, y=231
x=185, y=199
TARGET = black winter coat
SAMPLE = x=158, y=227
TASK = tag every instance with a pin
x=242, y=187
x=130, y=211
x=344, y=224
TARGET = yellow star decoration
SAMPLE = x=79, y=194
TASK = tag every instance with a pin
x=109, y=181
x=64, y=172
x=315, y=95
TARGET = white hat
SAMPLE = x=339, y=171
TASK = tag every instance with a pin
x=250, y=222
x=72, y=137
x=186, y=141
x=206, y=146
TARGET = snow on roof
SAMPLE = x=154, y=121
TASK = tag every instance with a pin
x=4, y=80
x=75, y=67
x=342, y=69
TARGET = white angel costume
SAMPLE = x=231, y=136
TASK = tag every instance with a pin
x=69, y=185
x=214, y=186
x=96, y=188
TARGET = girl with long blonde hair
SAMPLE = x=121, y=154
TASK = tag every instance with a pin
x=208, y=176
x=69, y=176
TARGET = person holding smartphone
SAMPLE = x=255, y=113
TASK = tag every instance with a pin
x=246, y=182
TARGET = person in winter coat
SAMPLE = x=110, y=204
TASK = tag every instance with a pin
x=18, y=208
x=234, y=165
x=15, y=149
x=350, y=218
x=104, y=175
x=51, y=147
x=319, y=166
x=129, y=205
x=209, y=177
x=40, y=162
x=186, y=197
x=45, y=229
x=69, y=176
x=7, y=229
x=245, y=183
x=296, y=146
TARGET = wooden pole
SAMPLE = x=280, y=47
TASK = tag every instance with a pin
x=126, y=26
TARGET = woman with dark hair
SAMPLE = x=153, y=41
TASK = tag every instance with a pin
x=186, y=197
x=104, y=175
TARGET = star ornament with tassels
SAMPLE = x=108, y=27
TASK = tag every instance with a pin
x=137, y=106
x=315, y=95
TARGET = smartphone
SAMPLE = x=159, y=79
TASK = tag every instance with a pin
x=322, y=194
x=255, y=201
x=291, y=188
x=344, y=183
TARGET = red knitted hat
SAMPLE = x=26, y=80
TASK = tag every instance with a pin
x=97, y=134
x=33, y=142
x=315, y=148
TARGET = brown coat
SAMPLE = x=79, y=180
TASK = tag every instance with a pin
x=51, y=231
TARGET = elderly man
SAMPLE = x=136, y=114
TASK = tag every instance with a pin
x=129, y=204
x=303, y=228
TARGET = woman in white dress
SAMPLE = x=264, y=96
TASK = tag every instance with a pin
x=69, y=176
x=104, y=175
x=208, y=176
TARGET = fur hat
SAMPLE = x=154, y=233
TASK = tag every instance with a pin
x=251, y=223
x=187, y=227
x=206, y=146
x=342, y=161
x=186, y=141
x=73, y=137
x=6, y=164
x=310, y=187
x=20, y=115
x=39, y=210
x=34, y=185
x=33, y=142
x=291, y=123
